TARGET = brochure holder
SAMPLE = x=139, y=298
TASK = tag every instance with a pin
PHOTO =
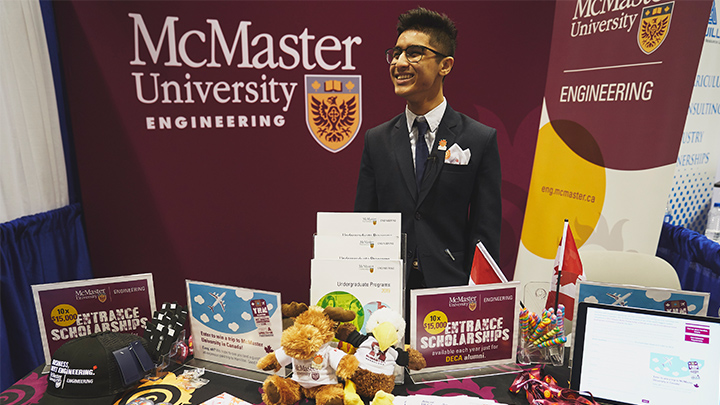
x=528, y=354
x=399, y=289
x=399, y=370
x=404, y=267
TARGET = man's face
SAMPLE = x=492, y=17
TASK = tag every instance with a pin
x=420, y=82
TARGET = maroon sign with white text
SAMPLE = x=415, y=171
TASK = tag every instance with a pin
x=456, y=327
x=72, y=309
x=630, y=63
x=204, y=154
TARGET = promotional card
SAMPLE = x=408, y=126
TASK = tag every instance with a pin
x=465, y=327
x=68, y=310
x=232, y=325
x=661, y=299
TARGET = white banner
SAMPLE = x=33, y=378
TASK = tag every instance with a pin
x=697, y=164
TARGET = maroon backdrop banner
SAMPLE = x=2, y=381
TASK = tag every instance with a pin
x=193, y=138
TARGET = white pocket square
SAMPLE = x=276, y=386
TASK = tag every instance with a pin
x=457, y=156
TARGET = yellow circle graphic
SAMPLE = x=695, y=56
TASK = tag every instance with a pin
x=563, y=185
x=435, y=322
x=63, y=315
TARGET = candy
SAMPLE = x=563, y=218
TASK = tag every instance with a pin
x=546, y=336
x=538, y=330
x=524, y=322
x=554, y=342
x=561, y=317
x=544, y=328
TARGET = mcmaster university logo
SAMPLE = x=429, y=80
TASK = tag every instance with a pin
x=332, y=109
x=654, y=26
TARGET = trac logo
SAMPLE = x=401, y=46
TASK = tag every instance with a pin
x=654, y=26
x=713, y=32
x=333, y=109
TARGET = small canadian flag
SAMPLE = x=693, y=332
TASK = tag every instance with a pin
x=484, y=269
x=568, y=270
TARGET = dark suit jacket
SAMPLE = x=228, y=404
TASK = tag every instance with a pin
x=456, y=205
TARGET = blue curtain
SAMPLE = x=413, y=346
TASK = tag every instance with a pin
x=696, y=260
x=37, y=249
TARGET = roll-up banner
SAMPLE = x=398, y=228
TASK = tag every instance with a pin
x=691, y=195
x=619, y=83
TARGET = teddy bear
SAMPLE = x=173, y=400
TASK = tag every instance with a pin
x=375, y=352
x=316, y=364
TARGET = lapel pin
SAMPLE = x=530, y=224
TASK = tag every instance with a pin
x=442, y=145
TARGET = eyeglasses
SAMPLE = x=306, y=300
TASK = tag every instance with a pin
x=413, y=53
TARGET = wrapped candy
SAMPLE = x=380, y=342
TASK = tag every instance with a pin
x=544, y=390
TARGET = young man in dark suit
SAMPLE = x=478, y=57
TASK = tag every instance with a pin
x=447, y=186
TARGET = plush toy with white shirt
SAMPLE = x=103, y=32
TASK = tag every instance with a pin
x=376, y=353
x=316, y=364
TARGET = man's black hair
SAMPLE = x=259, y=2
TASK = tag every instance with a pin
x=439, y=27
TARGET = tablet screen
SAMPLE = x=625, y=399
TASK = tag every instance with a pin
x=635, y=356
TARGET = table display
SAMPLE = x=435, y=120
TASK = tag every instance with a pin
x=28, y=390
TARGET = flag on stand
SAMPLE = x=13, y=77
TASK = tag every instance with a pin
x=484, y=269
x=570, y=270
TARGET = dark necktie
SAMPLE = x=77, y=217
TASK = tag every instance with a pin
x=421, y=150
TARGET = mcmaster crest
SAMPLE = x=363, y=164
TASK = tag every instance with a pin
x=333, y=109
x=654, y=26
